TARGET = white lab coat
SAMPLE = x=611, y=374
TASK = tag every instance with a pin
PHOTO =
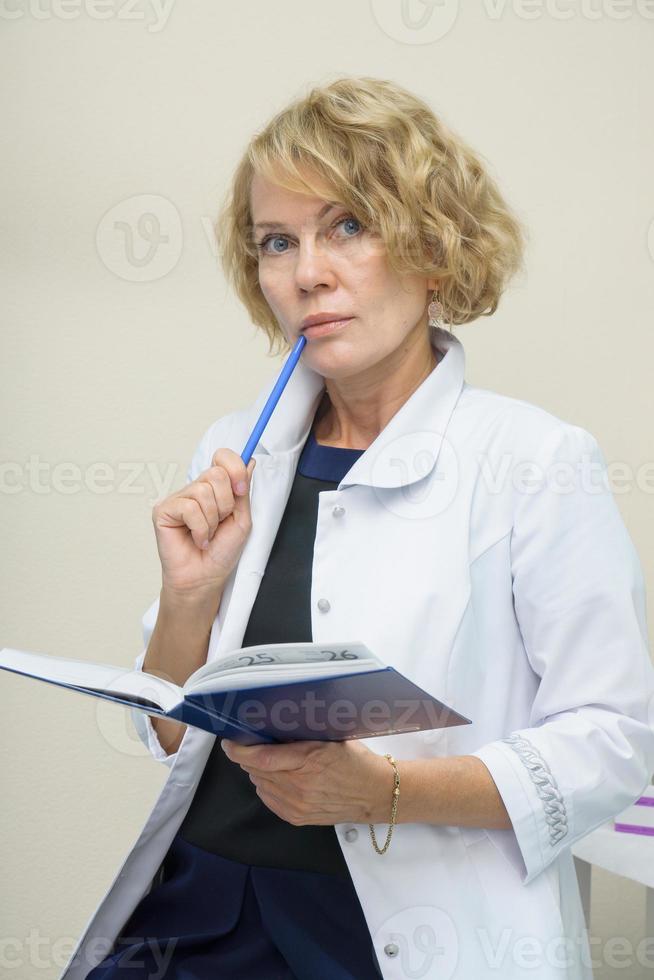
x=517, y=601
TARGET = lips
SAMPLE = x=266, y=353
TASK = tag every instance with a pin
x=328, y=327
x=317, y=318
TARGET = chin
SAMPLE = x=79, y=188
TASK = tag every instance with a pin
x=337, y=364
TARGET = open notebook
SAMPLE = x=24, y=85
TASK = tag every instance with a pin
x=272, y=693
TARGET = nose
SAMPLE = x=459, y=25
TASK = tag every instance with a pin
x=313, y=266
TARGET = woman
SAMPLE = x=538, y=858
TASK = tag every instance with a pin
x=468, y=538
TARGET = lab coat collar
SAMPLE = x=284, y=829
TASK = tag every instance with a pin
x=407, y=448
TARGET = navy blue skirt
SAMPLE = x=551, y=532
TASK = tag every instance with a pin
x=210, y=918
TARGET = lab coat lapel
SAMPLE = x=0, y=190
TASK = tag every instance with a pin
x=408, y=447
x=405, y=451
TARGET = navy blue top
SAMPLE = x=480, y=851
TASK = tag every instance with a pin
x=226, y=816
x=328, y=463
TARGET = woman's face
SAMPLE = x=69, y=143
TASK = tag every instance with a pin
x=313, y=259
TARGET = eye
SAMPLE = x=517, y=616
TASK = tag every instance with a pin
x=350, y=220
x=262, y=246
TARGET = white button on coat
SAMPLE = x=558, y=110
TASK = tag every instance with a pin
x=520, y=604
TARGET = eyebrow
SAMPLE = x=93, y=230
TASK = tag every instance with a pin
x=279, y=224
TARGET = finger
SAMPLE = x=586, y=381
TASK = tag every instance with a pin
x=205, y=493
x=269, y=758
x=222, y=502
x=251, y=755
x=242, y=510
x=215, y=493
x=236, y=469
x=179, y=511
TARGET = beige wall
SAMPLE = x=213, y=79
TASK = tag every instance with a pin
x=124, y=360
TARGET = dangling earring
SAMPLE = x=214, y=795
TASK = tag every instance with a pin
x=435, y=311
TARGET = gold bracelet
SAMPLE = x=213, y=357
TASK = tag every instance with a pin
x=396, y=796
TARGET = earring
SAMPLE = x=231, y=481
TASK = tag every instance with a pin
x=435, y=311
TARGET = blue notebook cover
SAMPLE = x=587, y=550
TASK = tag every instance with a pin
x=361, y=705
x=334, y=707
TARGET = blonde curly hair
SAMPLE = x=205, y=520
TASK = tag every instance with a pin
x=403, y=174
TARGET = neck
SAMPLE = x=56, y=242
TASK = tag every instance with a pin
x=353, y=411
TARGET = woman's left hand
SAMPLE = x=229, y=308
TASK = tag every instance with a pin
x=318, y=782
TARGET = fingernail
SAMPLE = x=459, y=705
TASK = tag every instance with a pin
x=241, y=486
x=205, y=543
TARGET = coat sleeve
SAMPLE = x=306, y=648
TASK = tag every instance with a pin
x=201, y=460
x=143, y=722
x=579, y=599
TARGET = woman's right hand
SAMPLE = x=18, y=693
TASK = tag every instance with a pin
x=201, y=530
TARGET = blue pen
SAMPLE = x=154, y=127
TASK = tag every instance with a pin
x=273, y=398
